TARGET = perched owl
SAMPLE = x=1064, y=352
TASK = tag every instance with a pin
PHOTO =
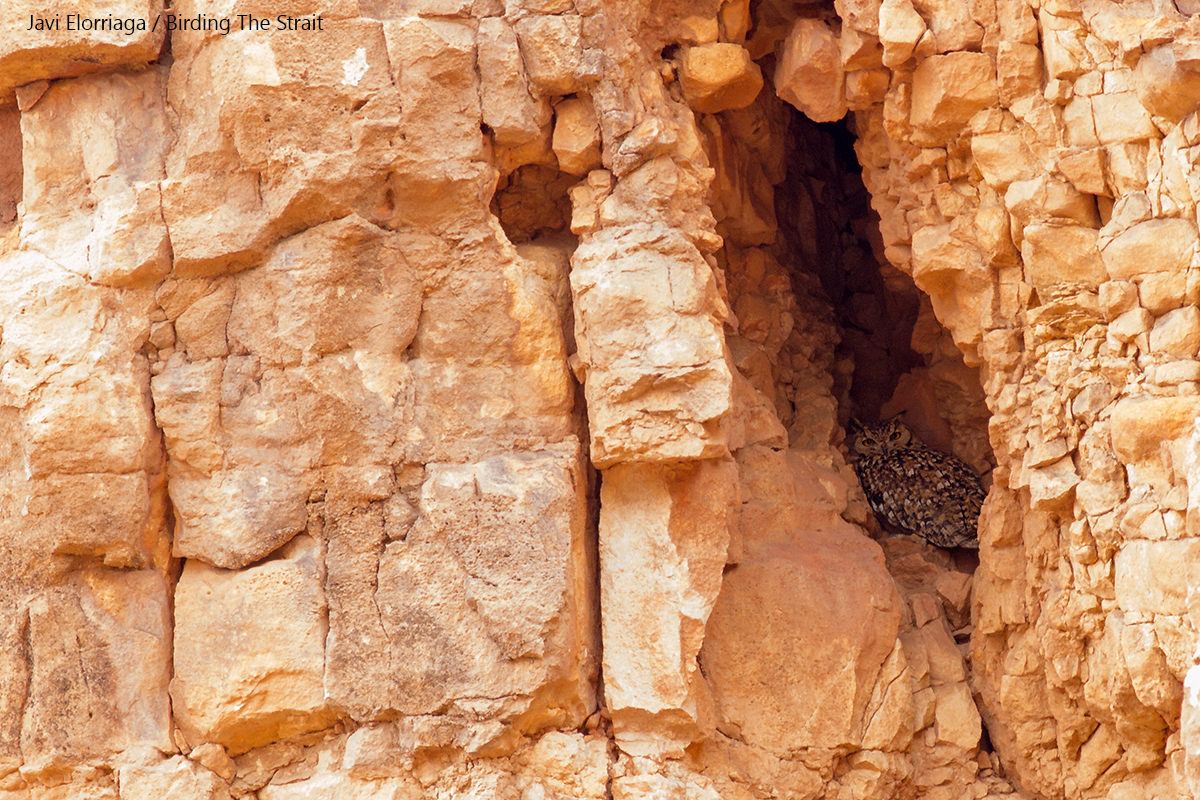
x=914, y=487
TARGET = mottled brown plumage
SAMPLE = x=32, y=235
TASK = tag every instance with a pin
x=916, y=488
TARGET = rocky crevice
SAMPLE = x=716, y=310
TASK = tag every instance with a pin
x=395, y=279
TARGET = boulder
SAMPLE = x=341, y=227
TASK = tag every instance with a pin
x=809, y=74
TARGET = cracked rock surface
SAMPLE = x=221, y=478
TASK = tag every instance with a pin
x=450, y=401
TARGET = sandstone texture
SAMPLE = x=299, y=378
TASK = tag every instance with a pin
x=419, y=399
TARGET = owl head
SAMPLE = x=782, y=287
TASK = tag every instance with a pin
x=881, y=438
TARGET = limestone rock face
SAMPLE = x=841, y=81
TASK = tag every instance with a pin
x=266, y=683
x=812, y=590
x=444, y=614
x=65, y=41
x=314, y=334
x=666, y=403
x=448, y=398
x=653, y=629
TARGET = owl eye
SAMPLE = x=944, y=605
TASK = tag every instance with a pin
x=869, y=442
x=895, y=435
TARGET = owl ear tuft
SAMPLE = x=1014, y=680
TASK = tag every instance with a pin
x=854, y=425
x=896, y=417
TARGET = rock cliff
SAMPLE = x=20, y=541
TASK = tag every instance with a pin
x=414, y=399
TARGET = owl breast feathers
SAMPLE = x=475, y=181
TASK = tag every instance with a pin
x=916, y=488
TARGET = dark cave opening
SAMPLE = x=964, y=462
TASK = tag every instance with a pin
x=893, y=356
x=830, y=228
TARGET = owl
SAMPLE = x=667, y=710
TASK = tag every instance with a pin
x=914, y=487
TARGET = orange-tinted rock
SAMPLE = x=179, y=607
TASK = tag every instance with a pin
x=576, y=136
x=718, y=77
x=1062, y=255
x=900, y=28
x=508, y=108
x=811, y=590
x=810, y=74
x=268, y=682
x=949, y=89
x=429, y=618
x=550, y=46
x=653, y=628
x=1160, y=245
x=47, y=43
x=1165, y=89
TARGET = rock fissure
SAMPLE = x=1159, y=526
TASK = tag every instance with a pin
x=389, y=310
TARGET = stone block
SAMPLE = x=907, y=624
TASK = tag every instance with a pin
x=552, y=50
x=860, y=51
x=1098, y=753
x=735, y=20
x=1177, y=333
x=239, y=514
x=1050, y=486
x=810, y=74
x=1127, y=168
x=1085, y=171
x=956, y=718
x=1018, y=22
x=1117, y=298
x=779, y=708
x=949, y=89
x=63, y=516
x=1079, y=122
x=1003, y=158
x=49, y=53
x=1132, y=324
x=1048, y=199
x=92, y=200
x=1058, y=257
x=1164, y=88
x=433, y=619
x=951, y=271
x=433, y=65
x=955, y=25
x=1141, y=424
x=373, y=752
x=508, y=108
x=654, y=619
x=1018, y=71
x=865, y=88
x=576, y=136
x=1160, y=292
x=900, y=28
x=93, y=662
x=213, y=757
x=656, y=389
x=1154, y=577
x=1159, y=245
x=1119, y=117
x=890, y=711
x=718, y=77
x=801, y=561
x=1152, y=680
x=941, y=653
x=1063, y=43
x=250, y=650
